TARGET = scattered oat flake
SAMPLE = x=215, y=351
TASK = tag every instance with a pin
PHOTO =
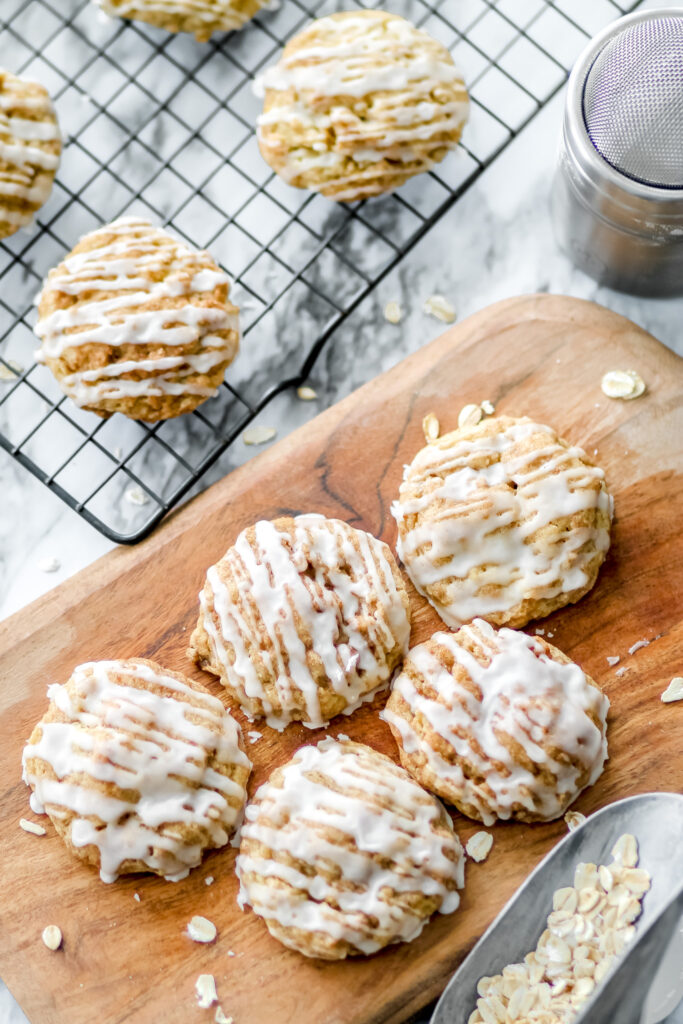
x=208, y=880
x=254, y=735
x=613, y=659
x=34, y=828
x=136, y=496
x=258, y=435
x=625, y=384
x=306, y=393
x=205, y=987
x=49, y=564
x=393, y=313
x=52, y=937
x=574, y=819
x=136, y=897
x=200, y=929
x=638, y=645
x=220, y=1017
x=10, y=370
x=438, y=306
x=479, y=846
x=488, y=407
x=430, y=427
x=469, y=416
x=674, y=690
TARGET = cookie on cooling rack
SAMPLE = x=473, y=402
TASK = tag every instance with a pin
x=359, y=102
x=139, y=768
x=302, y=619
x=342, y=853
x=137, y=322
x=30, y=147
x=498, y=723
x=503, y=520
x=202, y=17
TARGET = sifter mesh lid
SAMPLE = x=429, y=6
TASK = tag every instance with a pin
x=633, y=101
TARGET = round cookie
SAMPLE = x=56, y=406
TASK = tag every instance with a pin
x=302, y=619
x=503, y=520
x=342, y=853
x=498, y=723
x=135, y=321
x=30, y=147
x=359, y=102
x=202, y=17
x=139, y=768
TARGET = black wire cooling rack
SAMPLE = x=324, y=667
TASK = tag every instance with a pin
x=160, y=125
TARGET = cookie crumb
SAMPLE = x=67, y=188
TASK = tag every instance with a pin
x=674, y=690
x=574, y=819
x=613, y=659
x=620, y=671
x=231, y=952
x=393, y=313
x=342, y=737
x=136, y=897
x=205, y=987
x=624, y=384
x=259, y=435
x=208, y=880
x=306, y=393
x=31, y=826
x=440, y=308
x=479, y=846
x=200, y=929
x=469, y=415
x=430, y=427
x=52, y=937
x=50, y=564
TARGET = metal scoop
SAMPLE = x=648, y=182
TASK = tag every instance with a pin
x=656, y=820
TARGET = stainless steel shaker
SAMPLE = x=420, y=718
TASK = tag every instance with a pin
x=617, y=196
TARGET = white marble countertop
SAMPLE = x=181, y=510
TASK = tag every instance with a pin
x=495, y=242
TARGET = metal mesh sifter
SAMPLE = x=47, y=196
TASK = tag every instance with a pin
x=618, y=194
x=633, y=102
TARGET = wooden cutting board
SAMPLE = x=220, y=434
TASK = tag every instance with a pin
x=124, y=960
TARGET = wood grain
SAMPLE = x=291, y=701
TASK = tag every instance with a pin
x=542, y=356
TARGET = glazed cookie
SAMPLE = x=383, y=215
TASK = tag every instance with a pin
x=359, y=102
x=202, y=17
x=498, y=723
x=139, y=768
x=30, y=146
x=342, y=853
x=504, y=520
x=134, y=321
x=302, y=619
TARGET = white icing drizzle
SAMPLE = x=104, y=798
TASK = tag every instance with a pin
x=156, y=747
x=216, y=15
x=537, y=702
x=494, y=502
x=352, y=580
x=26, y=183
x=126, y=267
x=359, y=57
x=368, y=800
